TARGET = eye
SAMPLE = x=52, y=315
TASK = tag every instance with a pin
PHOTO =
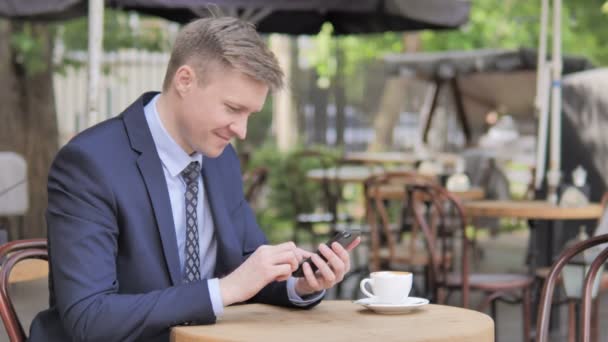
x=232, y=109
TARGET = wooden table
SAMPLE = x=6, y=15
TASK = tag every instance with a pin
x=28, y=270
x=337, y=321
x=352, y=173
x=406, y=158
x=397, y=192
x=382, y=157
x=533, y=210
x=344, y=174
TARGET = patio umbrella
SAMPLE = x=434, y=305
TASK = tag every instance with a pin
x=277, y=16
x=307, y=16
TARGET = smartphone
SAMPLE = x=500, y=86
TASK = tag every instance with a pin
x=344, y=238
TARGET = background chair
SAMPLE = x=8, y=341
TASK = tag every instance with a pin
x=11, y=254
x=387, y=216
x=588, y=325
x=253, y=182
x=430, y=202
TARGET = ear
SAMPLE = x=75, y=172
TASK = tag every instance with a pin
x=184, y=79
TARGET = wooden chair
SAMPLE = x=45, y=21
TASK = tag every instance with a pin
x=386, y=215
x=12, y=253
x=429, y=200
x=253, y=181
x=542, y=273
x=588, y=330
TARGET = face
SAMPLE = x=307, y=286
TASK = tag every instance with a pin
x=209, y=115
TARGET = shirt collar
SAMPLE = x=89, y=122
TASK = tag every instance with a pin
x=172, y=156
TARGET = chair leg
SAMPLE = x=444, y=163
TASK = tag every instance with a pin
x=571, y=321
x=526, y=313
x=595, y=314
x=494, y=313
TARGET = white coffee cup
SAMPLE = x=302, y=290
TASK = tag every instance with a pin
x=388, y=287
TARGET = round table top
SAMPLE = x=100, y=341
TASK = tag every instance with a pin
x=29, y=269
x=538, y=210
x=399, y=157
x=350, y=173
x=340, y=321
x=344, y=174
x=397, y=192
x=382, y=157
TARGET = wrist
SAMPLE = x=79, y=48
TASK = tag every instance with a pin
x=301, y=287
x=228, y=291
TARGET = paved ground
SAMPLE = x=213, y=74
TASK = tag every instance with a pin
x=504, y=253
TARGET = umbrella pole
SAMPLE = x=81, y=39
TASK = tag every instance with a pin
x=554, y=174
x=96, y=8
x=541, y=100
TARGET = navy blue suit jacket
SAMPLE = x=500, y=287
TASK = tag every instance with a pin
x=114, y=263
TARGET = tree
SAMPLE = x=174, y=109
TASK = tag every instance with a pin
x=29, y=121
x=515, y=23
x=29, y=124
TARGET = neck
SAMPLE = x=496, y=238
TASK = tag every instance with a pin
x=168, y=111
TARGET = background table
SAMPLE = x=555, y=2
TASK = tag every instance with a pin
x=341, y=321
x=406, y=158
x=533, y=210
x=29, y=269
x=397, y=192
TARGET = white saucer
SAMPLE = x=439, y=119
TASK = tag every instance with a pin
x=409, y=305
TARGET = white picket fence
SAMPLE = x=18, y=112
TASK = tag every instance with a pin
x=127, y=74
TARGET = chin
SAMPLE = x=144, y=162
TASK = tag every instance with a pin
x=214, y=153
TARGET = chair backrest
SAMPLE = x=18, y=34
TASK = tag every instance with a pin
x=544, y=311
x=254, y=180
x=12, y=253
x=380, y=202
x=441, y=217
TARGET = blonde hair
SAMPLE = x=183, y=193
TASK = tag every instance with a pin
x=227, y=42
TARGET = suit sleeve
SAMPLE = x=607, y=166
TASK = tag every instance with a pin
x=83, y=246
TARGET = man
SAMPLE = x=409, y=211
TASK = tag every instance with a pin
x=148, y=225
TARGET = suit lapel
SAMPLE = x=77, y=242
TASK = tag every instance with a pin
x=150, y=167
x=229, y=252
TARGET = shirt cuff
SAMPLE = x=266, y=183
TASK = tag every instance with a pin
x=216, y=297
x=297, y=300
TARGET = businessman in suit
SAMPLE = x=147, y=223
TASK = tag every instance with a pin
x=148, y=227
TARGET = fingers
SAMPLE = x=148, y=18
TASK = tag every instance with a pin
x=337, y=264
x=328, y=277
x=343, y=255
x=354, y=244
x=311, y=278
x=287, y=257
x=282, y=272
x=302, y=254
x=289, y=245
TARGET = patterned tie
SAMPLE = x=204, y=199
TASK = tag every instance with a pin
x=193, y=263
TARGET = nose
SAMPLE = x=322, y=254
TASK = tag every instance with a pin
x=239, y=127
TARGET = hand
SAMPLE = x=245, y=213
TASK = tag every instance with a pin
x=265, y=265
x=329, y=273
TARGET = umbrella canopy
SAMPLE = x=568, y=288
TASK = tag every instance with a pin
x=43, y=10
x=279, y=16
